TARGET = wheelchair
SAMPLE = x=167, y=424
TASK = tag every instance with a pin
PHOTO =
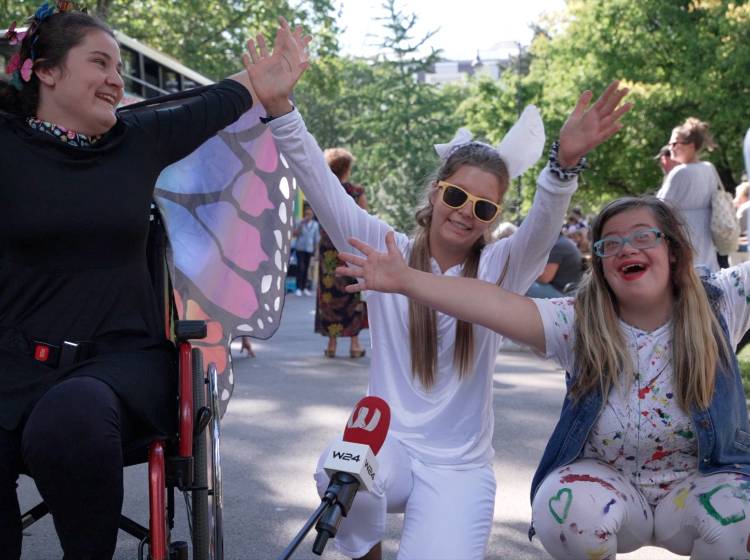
x=190, y=460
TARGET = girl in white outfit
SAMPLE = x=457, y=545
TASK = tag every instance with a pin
x=435, y=372
x=653, y=441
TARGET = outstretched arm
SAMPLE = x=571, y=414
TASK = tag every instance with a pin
x=467, y=299
x=273, y=76
x=588, y=125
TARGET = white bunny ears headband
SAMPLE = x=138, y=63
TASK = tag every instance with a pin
x=520, y=148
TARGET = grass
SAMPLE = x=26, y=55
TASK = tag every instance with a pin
x=744, y=359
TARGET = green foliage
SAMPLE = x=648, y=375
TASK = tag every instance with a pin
x=743, y=358
x=388, y=119
x=680, y=58
x=208, y=36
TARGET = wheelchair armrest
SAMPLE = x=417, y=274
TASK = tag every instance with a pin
x=190, y=330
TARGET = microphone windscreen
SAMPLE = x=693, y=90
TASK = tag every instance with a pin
x=369, y=423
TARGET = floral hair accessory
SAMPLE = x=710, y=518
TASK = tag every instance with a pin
x=65, y=6
x=14, y=64
x=26, y=68
x=24, y=71
x=14, y=37
x=13, y=70
x=44, y=11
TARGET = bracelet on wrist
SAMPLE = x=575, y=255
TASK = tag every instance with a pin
x=564, y=173
x=268, y=118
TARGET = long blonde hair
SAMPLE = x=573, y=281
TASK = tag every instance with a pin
x=422, y=319
x=601, y=353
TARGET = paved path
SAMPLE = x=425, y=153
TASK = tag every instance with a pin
x=290, y=401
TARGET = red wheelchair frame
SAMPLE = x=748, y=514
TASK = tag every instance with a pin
x=187, y=461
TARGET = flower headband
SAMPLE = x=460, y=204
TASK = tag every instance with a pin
x=23, y=71
x=519, y=149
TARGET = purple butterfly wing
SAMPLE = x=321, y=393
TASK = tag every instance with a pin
x=227, y=208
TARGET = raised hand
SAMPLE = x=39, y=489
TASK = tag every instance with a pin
x=274, y=74
x=384, y=272
x=586, y=128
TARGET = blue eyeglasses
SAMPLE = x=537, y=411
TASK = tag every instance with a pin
x=640, y=239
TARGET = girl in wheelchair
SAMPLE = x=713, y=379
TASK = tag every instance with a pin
x=84, y=366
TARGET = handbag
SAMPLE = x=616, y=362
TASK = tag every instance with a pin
x=725, y=227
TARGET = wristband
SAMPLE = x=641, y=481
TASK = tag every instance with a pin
x=564, y=173
x=268, y=118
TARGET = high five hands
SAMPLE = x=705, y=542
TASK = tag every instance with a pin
x=274, y=74
x=586, y=128
x=384, y=272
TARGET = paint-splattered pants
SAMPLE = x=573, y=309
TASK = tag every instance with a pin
x=588, y=510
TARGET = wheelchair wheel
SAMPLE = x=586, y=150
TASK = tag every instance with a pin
x=207, y=503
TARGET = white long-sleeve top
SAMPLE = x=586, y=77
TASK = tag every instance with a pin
x=450, y=424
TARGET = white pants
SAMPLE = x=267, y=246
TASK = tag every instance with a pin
x=447, y=512
x=589, y=510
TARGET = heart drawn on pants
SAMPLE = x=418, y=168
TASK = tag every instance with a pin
x=559, y=505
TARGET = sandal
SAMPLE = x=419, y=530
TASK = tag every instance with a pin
x=357, y=353
x=329, y=353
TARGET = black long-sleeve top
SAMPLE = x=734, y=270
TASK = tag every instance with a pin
x=73, y=243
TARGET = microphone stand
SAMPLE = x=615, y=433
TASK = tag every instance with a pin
x=336, y=503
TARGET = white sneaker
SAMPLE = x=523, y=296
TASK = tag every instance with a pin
x=297, y=292
x=308, y=292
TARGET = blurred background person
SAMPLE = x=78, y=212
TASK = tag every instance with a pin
x=307, y=234
x=561, y=273
x=664, y=159
x=338, y=313
x=575, y=220
x=690, y=185
x=742, y=203
x=246, y=346
x=580, y=236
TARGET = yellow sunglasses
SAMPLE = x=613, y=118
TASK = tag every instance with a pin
x=455, y=197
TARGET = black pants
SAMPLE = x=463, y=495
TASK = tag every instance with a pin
x=71, y=445
x=303, y=265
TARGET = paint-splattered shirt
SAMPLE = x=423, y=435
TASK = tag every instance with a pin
x=642, y=431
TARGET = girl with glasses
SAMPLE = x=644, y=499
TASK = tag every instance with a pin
x=653, y=444
x=436, y=372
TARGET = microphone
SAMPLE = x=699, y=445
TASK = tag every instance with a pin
x=351, y=464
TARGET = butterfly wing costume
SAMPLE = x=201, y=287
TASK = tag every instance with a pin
x=228, y=210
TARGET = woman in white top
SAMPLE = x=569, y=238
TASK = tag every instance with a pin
x=653, y=442
x=435, y=372
x=689, y=187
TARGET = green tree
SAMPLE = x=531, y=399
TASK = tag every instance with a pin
x=489, y=110
x=206, y=35
x=680, y=58
x=380, y=111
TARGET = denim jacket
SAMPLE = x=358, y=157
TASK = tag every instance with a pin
x=722, y=429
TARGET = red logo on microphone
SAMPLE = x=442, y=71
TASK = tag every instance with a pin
x=369, y=423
